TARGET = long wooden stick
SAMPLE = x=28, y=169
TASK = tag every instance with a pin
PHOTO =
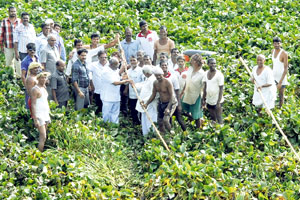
x=269, y=111
x=140, y=100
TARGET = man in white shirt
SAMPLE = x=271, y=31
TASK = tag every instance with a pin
x=135, y=73
x=213, y=91
x=42, y=39
x=173, y=60
x=24, y=33
x=73, y=56
x=110, y=95
x=145, y=90
x=97, y=69
x=280, y=68
x=147, y=39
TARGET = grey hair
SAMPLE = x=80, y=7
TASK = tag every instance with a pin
x=147, y=69
x=113, y=60
x=262, y=56
x=51, y=36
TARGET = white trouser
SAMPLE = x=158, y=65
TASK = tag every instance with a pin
x=111, y=111
x=146, y=124
x=11, y=61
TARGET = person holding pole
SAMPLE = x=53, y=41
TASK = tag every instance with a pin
x=263, y=75
x=280, y=68
x=167, y=102
x=145, y=89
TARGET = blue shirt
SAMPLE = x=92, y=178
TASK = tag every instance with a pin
x=80, y=74
x=26, y=62
x=130, y=48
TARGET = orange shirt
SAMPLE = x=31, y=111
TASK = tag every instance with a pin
x=164, y=48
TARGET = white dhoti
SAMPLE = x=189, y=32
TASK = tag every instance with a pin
x=111, y=111
x=146, y=124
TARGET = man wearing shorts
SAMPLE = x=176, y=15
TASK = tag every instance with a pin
x=40, y=107
x=167, y=101
x=213, y=91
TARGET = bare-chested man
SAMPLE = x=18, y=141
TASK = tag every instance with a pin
x=40, y=107
x=280, y=68
x=31, y=81
x=167, y=101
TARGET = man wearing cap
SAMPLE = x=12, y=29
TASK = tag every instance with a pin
x=147, y=39
x=59, y=85
x=167, y=101
x=24, y=33
x=31, y=81
x=31, y=57
x=40, y=108
x=7, y=27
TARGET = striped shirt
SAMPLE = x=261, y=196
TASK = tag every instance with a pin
x=6, y=32
x=24, y=35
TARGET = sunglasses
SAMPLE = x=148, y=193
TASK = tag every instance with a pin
x=31, y=50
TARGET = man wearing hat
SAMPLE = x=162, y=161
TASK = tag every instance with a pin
x=31, y=81
x=31, y=57
x=40, y=107
x=147, y=39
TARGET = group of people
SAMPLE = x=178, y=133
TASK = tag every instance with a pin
x=146, y=76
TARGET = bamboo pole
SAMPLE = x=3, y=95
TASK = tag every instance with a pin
x=269, y=111
x=140, y=100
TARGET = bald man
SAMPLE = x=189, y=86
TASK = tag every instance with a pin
x=110, y=94
x=59, y=85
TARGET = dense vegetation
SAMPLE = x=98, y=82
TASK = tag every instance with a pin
x=86, y=159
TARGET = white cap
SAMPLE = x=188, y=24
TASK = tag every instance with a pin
x=157, y=71
x=49, y=21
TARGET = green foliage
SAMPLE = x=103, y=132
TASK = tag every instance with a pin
x=85, y=158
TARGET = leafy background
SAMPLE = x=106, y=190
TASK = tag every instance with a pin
x=86, y=159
